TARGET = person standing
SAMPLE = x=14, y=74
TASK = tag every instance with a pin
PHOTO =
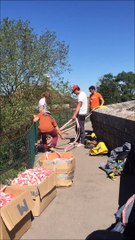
x=80, y=112
x=95, y=99
x=42, y=105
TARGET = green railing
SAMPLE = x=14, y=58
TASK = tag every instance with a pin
x=62, y=117
x=20, y=154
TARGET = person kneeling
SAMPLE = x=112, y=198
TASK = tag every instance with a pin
x=48, y=126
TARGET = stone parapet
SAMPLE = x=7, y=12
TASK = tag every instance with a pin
x=115, y=125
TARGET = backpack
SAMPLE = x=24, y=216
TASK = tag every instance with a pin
x=90, y=144
x=116, y=161
x=91, y=136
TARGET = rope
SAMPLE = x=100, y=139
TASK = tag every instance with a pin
x=72, y=145
x=71, y=122
x=67, y=126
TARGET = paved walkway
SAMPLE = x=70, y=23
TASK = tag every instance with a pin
x=88, y=205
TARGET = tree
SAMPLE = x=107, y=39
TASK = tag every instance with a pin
x=126, y=82
x=28, y=66
x=26, y=58
x=118, y=88
x=109, y=89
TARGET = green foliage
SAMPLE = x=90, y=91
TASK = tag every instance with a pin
x=28, y=63
x=126, y=83
x=63, y=87
x=118, y=88
x=63, y=116
x=28, y=66
x=16, y=116
x=10, y=175
x=18, y=153
x=27, y=58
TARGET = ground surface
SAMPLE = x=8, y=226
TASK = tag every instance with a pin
x=88, y=205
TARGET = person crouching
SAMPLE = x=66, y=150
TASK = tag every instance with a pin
x=48, y=126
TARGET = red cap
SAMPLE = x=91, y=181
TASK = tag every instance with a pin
x=74, y=87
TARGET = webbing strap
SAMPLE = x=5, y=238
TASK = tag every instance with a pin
x=72, y=145
x=65, y=176
x=59, y=161
x=47, y=154
x=66, y=124
x=124, y=212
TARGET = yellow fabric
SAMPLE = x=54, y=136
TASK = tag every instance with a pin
x=99, y=149
x=93, y=135
x=103, y=106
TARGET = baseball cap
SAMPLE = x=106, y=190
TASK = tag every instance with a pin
x=74, y=87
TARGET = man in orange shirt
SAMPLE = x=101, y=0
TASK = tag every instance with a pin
x=48, y=126
x=96, y=98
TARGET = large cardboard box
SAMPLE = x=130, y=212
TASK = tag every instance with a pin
x=62, y=163
x=42, y=193
x=16, y=216
x=64, y=180
x=42, y=203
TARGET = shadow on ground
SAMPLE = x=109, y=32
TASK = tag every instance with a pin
x=126, y=190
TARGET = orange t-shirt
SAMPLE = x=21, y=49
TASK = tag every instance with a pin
x=46, y=123
x=95, y=100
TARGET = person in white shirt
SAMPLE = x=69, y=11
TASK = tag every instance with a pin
x=80, y=112
x=42, y=105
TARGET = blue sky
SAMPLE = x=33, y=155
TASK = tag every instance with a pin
x=100, y=34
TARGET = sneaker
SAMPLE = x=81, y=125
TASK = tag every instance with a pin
x=52, y=149
x=80, y=145
x=71, y=143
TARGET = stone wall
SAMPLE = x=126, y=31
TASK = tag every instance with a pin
x=115, y=125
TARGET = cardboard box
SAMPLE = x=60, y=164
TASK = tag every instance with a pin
x=64, y=180
x=38, y=193
x=41, y=204
x=64, y=164
x=46, y=192
x=16, y=216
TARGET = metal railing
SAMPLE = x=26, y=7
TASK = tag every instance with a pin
x=20, y=153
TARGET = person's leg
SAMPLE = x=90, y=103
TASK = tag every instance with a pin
x=44, y=141
x=81, y=120
x=44, y=138
x=78, y=139
x=54, y=136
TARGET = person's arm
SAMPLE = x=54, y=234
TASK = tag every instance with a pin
x=77, y=110
x=57, y=128
x=59, y=132
x=41, y=108
x=89, y=103
x=101, y=101
x=35, y=118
